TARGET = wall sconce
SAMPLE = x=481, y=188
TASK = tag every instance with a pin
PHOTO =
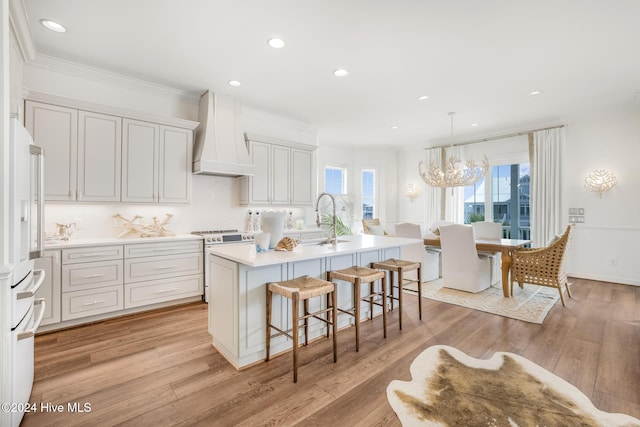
x=413, y=191
x=600, y=181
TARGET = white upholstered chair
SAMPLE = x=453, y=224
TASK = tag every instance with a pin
x=429, y=259
x=462, y=268
x=489, y=230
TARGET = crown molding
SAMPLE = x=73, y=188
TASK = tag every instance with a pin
x=91, y=73
x=19, y=23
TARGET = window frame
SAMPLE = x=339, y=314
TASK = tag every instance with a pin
x=343, y=170
x=374, y=192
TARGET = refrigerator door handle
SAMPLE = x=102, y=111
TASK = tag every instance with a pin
x=40, y=274
x=39, y=250
x=32, y=331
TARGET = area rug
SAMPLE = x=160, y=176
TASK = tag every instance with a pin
x=531, y=303
x=449, y=388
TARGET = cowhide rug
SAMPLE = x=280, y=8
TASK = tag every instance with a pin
x=449, y=388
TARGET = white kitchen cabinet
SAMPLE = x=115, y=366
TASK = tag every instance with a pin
x=55, y=129
x=99, y=157
x=82, y=152
x=156, y=163
x=302, y=177
x=92, y=281
x=50, y=289
x=283, y=175
x=140, y=145
x=161, y=272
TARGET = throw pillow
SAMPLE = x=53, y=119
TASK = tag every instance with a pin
x=377, y=230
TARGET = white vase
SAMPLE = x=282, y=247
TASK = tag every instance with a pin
x=273, y=223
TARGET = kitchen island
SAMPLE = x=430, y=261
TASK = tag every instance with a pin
x=237, y=279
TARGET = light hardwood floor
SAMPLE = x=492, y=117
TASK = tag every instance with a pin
x=160, y=369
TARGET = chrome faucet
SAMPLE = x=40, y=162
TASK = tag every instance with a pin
x=334, y=239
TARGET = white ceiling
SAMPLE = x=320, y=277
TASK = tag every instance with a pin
x=477, y=58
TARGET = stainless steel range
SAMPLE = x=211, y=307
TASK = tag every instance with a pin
x=219, y=237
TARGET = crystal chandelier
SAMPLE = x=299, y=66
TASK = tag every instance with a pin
x=451, y=173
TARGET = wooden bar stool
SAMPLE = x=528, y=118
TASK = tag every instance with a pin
x=356, y=276
x=301, y=289
x=400, y=266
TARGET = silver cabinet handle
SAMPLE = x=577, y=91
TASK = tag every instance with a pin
x=40, y=274
x=94, y=302
x=31, y=332
x=166, y=267
x=162, y=291
x=91, y=276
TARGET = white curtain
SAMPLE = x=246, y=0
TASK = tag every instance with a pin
x=432, y=195
x=547, y=166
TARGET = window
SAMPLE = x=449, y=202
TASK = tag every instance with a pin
x=368, y=193
x=506, y=202
x=335, y=180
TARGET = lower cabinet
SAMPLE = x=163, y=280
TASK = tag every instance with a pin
x=104, y=280
x=51, y=287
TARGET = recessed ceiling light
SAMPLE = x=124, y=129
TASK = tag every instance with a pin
x=276, y=43
x=234, y=83
x=340, y=72
x=394, y=127
x=535, y=92
x=423, y=98
x=53, y=25
x=474, y=125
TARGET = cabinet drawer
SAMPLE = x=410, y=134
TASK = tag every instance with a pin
x=155, y=291
x=94, y=301
x=99, y=253
x=169, y=248
x=139, y=269
x=91, y=275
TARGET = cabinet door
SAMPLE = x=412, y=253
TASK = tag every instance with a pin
x=99, y=157
x=174, y=174
x=140, y=142
x=302, y=173
x=51, y=289
x=259, y=182
x=55, y=129
x=280, y=176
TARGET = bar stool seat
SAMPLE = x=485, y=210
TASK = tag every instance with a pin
x=357, y=276
x=302, y=289
x=401, y=267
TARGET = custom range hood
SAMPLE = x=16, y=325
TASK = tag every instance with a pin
x=219, y=148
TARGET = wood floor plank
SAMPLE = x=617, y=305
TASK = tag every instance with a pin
x=160, y=369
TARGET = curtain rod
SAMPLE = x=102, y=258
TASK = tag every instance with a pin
x=509, y=135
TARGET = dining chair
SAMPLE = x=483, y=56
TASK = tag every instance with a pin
x=462, y=268
x=489, y=230
x=429, y=257
x=543, y=266
x=373, y=226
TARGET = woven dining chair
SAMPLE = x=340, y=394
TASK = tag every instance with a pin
x=543, y=266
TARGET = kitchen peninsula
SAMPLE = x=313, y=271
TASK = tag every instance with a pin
x=238, y=275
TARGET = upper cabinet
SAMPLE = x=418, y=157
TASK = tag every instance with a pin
x=96, y=157
x=284, y=173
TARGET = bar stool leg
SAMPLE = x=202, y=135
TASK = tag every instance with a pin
x=400, y=282
x=371, y=300
x=306, y=324
x=356, y=303
x=384, y=298
x=420, y=291
x=328, y=302
x=295, y=313
x=334, y=321
x=269, y=296
x=391, y=297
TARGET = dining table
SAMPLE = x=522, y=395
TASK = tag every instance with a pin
x=504, y=246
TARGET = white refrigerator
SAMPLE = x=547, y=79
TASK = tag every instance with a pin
x=26, y=242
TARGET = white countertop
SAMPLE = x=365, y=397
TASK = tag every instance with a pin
x=245, y=253
x=101, y=241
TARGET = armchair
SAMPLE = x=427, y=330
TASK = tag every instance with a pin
x=543, y=266
x=489, y=230
x=462, y=268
